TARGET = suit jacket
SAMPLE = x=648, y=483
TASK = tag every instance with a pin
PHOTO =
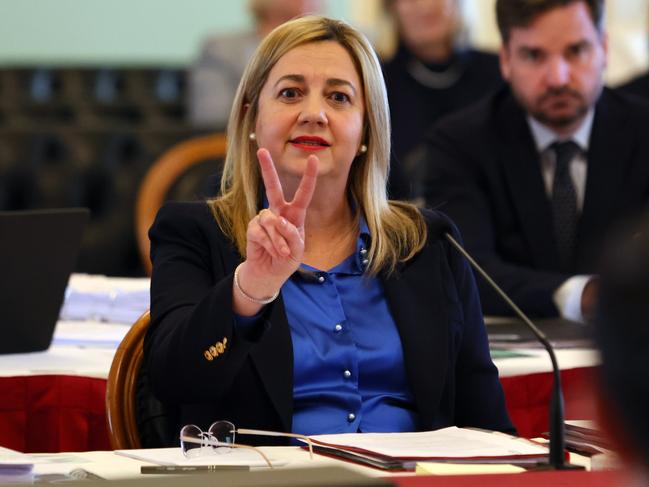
x=638, y=86
x=198, y=359
x=483, y=169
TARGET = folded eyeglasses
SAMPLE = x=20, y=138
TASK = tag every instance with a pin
x=220, y=439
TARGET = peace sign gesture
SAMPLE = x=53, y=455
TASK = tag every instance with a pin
x=275, y=236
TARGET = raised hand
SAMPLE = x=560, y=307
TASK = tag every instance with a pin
x=275, y=236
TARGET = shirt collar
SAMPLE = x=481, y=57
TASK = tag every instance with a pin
x=361, y=256
x=355, y=264
x=544, y=137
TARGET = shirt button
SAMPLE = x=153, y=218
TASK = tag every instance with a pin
x=338, y=327
x=347, y=374
x=363, y=251
x=366, y=261
x=321, y=279
x=351, y=417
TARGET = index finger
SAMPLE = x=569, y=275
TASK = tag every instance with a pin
x=304, y=192
x=274, y=191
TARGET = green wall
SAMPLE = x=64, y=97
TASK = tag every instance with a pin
x=117, y=31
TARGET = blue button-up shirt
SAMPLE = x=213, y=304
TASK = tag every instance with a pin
x=348, y=369
x=348, y=372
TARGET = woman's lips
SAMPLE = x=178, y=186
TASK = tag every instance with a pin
x=310, y=143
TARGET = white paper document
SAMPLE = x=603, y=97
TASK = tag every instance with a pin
x=102, y=298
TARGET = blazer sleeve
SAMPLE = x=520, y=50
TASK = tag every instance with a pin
x=456, y=180
x=479, y=401
x=192, y=349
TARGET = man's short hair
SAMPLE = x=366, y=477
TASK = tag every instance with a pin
x=622, y=333
x=521, y=13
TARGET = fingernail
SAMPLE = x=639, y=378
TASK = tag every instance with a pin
x=283, y=221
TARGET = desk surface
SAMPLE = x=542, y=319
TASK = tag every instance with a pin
x=111, y=466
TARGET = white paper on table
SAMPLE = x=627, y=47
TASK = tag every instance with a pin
x=102, y=298
x=89, y=333
x=447, y=443
x=174, y=456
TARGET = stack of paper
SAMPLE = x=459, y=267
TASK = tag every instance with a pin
x=401, y=451
x=101, y=298
x=15, y=467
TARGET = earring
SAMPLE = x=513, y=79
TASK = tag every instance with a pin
x=362, y=149
x=252, y=136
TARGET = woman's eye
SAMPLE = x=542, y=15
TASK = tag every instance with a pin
x=340, y=97
x=289, y=93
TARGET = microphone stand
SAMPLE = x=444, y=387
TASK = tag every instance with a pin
x=557, y=441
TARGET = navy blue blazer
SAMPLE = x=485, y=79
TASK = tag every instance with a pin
x=198, y=361
x=482, y=167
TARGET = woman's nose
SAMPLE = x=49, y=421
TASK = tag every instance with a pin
x=313, y=110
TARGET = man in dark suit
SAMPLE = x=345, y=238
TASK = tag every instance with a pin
x=535, y=174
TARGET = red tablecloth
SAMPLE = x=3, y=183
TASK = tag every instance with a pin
x=528, y=398
x=53, y=413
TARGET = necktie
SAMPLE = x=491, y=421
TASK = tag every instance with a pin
x=564, y=204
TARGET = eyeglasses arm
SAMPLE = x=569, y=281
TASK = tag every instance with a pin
x=306, y=439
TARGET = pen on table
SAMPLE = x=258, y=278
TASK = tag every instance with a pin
x=182, y=469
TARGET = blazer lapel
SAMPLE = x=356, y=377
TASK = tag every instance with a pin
x=522, y=167
x=273, y=358
x=415, y=295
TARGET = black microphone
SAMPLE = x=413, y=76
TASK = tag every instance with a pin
x=557, y=441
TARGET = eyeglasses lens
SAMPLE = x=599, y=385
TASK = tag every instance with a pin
x=223, y=432
x=192, y=441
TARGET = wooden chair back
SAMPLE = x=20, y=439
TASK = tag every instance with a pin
x=162, y=175
x=121, y=388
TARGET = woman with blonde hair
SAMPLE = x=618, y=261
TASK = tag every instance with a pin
x=301, y=299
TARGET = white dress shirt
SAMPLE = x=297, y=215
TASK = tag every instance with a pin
x=567, y=297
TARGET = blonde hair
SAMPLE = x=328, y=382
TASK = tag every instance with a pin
x=389, y=33
x=398, y=229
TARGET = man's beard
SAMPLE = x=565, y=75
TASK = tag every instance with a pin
x=546, y=117
x=558, y=122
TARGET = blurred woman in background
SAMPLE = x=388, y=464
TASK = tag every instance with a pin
x=430, y=73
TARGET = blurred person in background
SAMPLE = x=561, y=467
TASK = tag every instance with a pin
x=431, y=72
x=638, y=85
x=214, y=77
x=537, y=173
x=622, y=334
